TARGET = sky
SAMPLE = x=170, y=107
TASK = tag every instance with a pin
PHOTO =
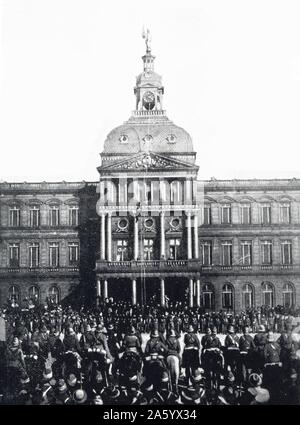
x=231, y=72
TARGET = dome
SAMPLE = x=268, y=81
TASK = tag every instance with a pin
x=138, y=135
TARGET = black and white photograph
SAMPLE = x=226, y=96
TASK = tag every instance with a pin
x=149, y=205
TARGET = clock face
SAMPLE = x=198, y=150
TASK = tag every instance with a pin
x=149, y=100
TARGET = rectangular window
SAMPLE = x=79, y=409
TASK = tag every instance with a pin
x=174, y=248
x=207, y=215
x=54, y=216
x=122, y=250
x=286, y=252
x=34, y=217
x=266, y=252
x=226, y=214
x=206, y=253
x=73, y=253
x=14, y=217
x=73, y=216
x=227, y=253
x=285, y=213
x=246, y=258
x=246, y=214
x=53, y=254
x=34, y=255
x=148, y=249
x=266, y=214
x=14, y=255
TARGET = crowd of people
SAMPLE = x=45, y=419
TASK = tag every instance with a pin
x=117, y=353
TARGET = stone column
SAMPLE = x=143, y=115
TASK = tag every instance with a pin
x=98, y=288
x=136, y=238
x=162, y=292
x=191, y=295
x=189, y=236
x=162, y=236
x=198, y=293
x=133, y=283
x=105, y=289
x=102, y=236
x=196, y=241
x=109, y=237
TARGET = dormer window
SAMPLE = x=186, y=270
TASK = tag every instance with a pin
x=123, y=138
x=171, y=138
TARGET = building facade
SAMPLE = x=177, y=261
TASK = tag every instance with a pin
x=149, y=229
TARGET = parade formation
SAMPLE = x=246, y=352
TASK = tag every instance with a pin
x=117, y=353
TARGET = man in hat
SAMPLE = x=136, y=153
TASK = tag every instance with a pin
x=131, y=341
x=211, y=356
x=273, y=367
x=232, y=351
x=288, y=348
x=15, y=363
x=190, y=357
x=71, y=342
x=110, y=395
x=63, y=395
x=154, y=364
x=194, y=394
x=79, y=397
x=255, y=394
x=260, y=340
x=247, y=348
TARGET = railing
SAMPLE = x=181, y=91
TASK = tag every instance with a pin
x=39, y=270
x=44, y=185
x=137, y=265
x=192, y=265
x=148, y=113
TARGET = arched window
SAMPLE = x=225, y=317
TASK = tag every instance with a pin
x=175, y=192
x=268, y=294
x=288, y=295
x=208, y=297
x=227, y=297
x=34, y=293
x=248, y=296
x=53, y=294
x=14, y=293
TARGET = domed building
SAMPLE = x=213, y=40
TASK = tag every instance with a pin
x=148, y=203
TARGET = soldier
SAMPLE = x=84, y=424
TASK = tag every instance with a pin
x=272, y=371
x=288, y=348
x=260, y=340
x=232, y=353
x=247, y=348
x=190, y=357
x=173, y=358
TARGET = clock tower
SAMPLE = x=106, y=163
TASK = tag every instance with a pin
x=148, y=90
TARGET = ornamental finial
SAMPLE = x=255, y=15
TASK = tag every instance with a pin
x=147, y=36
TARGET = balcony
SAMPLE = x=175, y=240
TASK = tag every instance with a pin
x=148, y=265
x=159, y=266
x=41, y=271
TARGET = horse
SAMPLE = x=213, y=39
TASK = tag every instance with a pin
x=173, y=367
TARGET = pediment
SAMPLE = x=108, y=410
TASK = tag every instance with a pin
x=148, y=160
